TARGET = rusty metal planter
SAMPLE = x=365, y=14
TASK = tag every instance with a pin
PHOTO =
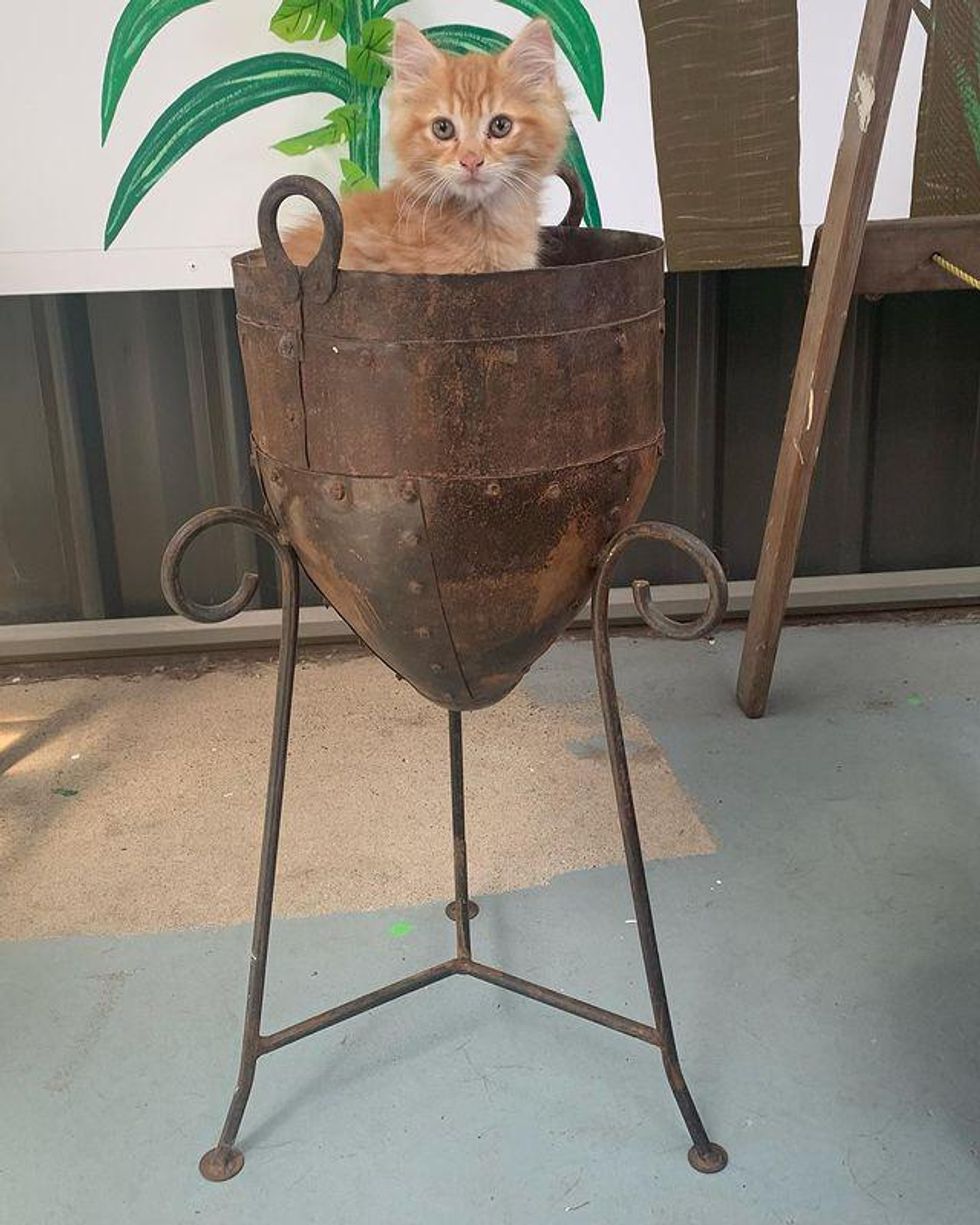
x=448, y=455
x=455, y=461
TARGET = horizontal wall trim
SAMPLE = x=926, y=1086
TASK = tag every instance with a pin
x=43, y=641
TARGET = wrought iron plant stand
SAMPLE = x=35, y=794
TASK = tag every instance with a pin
x=515, y=423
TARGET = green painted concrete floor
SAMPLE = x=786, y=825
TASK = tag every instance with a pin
x=823, y=967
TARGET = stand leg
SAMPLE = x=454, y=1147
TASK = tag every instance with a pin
x=462, y=909
x=704, y=1155
x=224, y=1160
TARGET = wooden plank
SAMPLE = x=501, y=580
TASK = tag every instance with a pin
x=724, y=88
x=865, y=119
x=905, y=589
x=897, y=255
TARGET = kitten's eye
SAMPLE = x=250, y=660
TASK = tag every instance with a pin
x=500, y=125
x=443, y=129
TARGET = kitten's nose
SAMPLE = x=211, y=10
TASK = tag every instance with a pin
x=471, y=162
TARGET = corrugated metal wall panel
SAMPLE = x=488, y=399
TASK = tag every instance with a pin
x=924, y=476
x=123, y=414
x=35, y=557
x=762, y=320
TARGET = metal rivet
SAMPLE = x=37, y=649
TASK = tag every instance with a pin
x=435, y=667
x=415, y=587
x=407, y=492
x=287, y=345
x=337, y=491
x=423, y=631
x=621, y=462
x=409, y=539
x=553, y=491
x=493, y=489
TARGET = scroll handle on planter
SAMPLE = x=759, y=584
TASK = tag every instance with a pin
x=576, y=203
x=184, y=537
x=688, y=543
x=319, y=278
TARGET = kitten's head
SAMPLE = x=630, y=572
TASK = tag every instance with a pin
x=475, y=126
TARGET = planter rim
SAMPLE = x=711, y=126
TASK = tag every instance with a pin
x=644, y=245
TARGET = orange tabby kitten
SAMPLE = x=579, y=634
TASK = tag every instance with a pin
x=475, y=137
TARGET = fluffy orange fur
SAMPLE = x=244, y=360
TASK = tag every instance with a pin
x=475, y=137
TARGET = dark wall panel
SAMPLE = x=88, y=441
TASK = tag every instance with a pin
x=36, y=577
x=121, y=415
x=761, y=320
x=923, y=492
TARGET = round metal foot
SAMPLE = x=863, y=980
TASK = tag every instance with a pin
x=221, y=1163
x=451, y=909
x=711, y=1162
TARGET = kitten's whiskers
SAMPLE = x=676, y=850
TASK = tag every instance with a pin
x=438, y=195
x=417, y=188
x=522, y=186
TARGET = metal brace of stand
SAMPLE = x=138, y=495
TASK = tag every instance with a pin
x=225, y=1160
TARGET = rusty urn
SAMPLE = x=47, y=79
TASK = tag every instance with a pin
x=448, y=455
x=456, y=462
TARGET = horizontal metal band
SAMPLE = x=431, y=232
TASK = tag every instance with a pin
x=657, y=441
x=327, y=337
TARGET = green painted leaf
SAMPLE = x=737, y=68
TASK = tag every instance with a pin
x=355, y=179
x=574, y=32
x=302, y=20
x=459, y=39
x=365, y=60
x=341, y=125
x=306, y=142
x=210, y=103
x=139, y=22
x=345, y=119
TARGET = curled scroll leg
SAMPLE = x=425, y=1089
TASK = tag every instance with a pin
x=705, y=1156
x=225, y=1160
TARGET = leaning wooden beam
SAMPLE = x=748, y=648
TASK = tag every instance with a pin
x=865, y=119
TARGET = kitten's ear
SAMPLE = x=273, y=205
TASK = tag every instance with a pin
x=531, y=56
x=413, y=57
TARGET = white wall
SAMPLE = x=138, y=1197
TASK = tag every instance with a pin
x=59, y=181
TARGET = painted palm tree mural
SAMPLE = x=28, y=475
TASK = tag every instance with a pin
x=366, y=30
